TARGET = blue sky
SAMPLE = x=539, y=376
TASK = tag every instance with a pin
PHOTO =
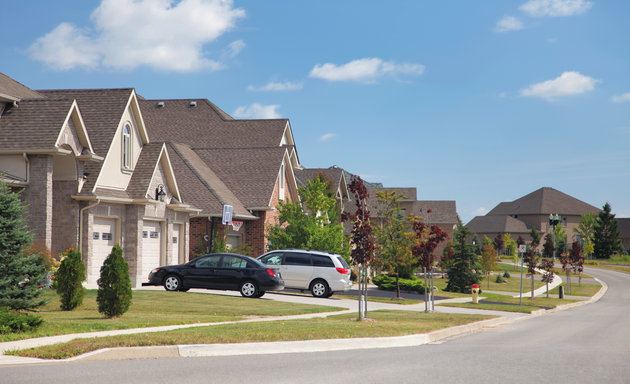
x=475, y=101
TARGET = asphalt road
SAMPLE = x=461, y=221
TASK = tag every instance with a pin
x=588, y=344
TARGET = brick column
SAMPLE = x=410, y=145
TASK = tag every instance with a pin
x=39, y=196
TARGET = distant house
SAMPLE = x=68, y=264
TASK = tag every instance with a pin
x=624, y=232
x=334, y=173
x=91, y=177
x=532, y=211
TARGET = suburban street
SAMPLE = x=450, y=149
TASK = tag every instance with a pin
x=582, y=345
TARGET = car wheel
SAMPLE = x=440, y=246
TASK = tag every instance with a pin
x=249, y=289
x=172, y=283
x=330, y=294
x=319, y=288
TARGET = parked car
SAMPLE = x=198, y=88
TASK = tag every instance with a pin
x=322, y=273
x=225, y=271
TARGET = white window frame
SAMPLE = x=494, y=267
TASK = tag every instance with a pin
x=281, y=183
x=126, y=147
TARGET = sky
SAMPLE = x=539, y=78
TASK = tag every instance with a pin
x=480, y=102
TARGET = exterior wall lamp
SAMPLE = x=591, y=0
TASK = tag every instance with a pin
x=159, y=193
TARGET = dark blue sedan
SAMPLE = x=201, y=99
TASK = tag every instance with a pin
x=224, y=271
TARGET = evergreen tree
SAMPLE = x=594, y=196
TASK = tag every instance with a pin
x=114, y=287
x=460, y=274
x=19, y=274
x=69, y=279
x=606, y=235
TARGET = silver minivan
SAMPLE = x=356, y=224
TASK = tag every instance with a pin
x=322, y=273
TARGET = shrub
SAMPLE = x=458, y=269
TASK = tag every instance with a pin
x=13, y=322
x=114, y=286
x=499, y=279
x=388, y=283
x=69, y=279
x=506, y=274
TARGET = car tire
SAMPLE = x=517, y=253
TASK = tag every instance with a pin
x=260, y=294
x=249, y=289
x=319, y=288
x=184, y=289
x=172, y=283
x=330, y=294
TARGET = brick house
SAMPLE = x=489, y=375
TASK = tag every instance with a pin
x=85, y=166
x=248, y=164
x=532, y=211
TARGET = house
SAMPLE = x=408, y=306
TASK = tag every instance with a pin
x=532, y=211
x=334, y=174
x=248, y=164
x=91, y=177
x=623, y=224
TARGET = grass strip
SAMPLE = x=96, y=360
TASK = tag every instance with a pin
x=385, y=323
x=157, y=308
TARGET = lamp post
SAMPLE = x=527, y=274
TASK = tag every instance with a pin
x=553, y=221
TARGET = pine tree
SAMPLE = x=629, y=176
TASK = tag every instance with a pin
x=69, y=279
x=606, y=234
x=460, y=274
x=19, y=275
x=114, y=287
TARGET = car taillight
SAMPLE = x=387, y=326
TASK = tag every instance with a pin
x=343, y=271
x=271, y=272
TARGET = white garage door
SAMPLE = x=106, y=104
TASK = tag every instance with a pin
x=176, y=244
x=103, y=240
x=151, y=247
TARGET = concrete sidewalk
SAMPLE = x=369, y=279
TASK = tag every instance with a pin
x=279, y=347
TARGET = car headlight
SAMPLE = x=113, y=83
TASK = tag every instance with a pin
x=155, y=270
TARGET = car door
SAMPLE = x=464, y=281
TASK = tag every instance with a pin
x=296, y=270
x=231, y=272
x=203, y=273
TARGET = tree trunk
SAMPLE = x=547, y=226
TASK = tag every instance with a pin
x=532, y=286
x=397, y=285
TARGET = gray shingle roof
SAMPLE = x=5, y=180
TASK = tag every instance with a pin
x=442, y=211
x=623, y=224
x=34, y=124
x=143, y=171
x=496, y=224
x=302, y=175
x=543, y=202
x=12, y=88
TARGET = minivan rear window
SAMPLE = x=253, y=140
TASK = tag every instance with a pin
x=322, y=261
x=343, y=262
x=291, y=258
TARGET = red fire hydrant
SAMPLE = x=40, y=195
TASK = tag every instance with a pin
x=475, y=293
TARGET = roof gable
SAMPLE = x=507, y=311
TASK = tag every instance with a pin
x=11, y=90
x=544, y=201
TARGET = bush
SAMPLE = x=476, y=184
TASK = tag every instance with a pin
x=114, y=286
x=69, y=279
x=13, y=322
x=388, y=283
x=499, y=279
x=506, y=274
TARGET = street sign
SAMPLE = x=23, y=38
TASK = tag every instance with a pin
x=522, y=248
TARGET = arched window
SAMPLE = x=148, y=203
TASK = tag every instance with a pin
x=281, y=183
x=126, y=148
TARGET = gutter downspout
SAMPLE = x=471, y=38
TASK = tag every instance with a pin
x=28, y=166
x=98, y=201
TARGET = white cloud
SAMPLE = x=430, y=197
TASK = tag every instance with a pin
x=257, y=111
x=555, y=8
x=502, y=94
x=274, y=86
x=569, y=83
x=621, y=98
x=234, y=49
x=508, y=23
x=363, y=70
x=327, y=136
x=481, y=211
x=162, y=34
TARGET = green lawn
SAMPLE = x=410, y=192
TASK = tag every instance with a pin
x=157, y=308
x=382, y=324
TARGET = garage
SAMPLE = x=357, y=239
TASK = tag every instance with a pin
x=103, y=240
x=151, y=247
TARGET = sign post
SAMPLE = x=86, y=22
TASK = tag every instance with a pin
x=521, y=249
x=227, y=214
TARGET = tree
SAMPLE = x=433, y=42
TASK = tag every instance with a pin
x=531, y=256
x=427, y=238
x=548, y=247
x=577, y=260
x=561, y=238
x=547, y=265
x=20, y=274
x=606, y=235
x=393, y=242
x=510, y=244
x=460, y=275
x=313, y=224
x=498, y=243
x=447, y=256
x=114, y=287
x=488, y=260
x=69, y=279
x=586, y=230
x=362, y=238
